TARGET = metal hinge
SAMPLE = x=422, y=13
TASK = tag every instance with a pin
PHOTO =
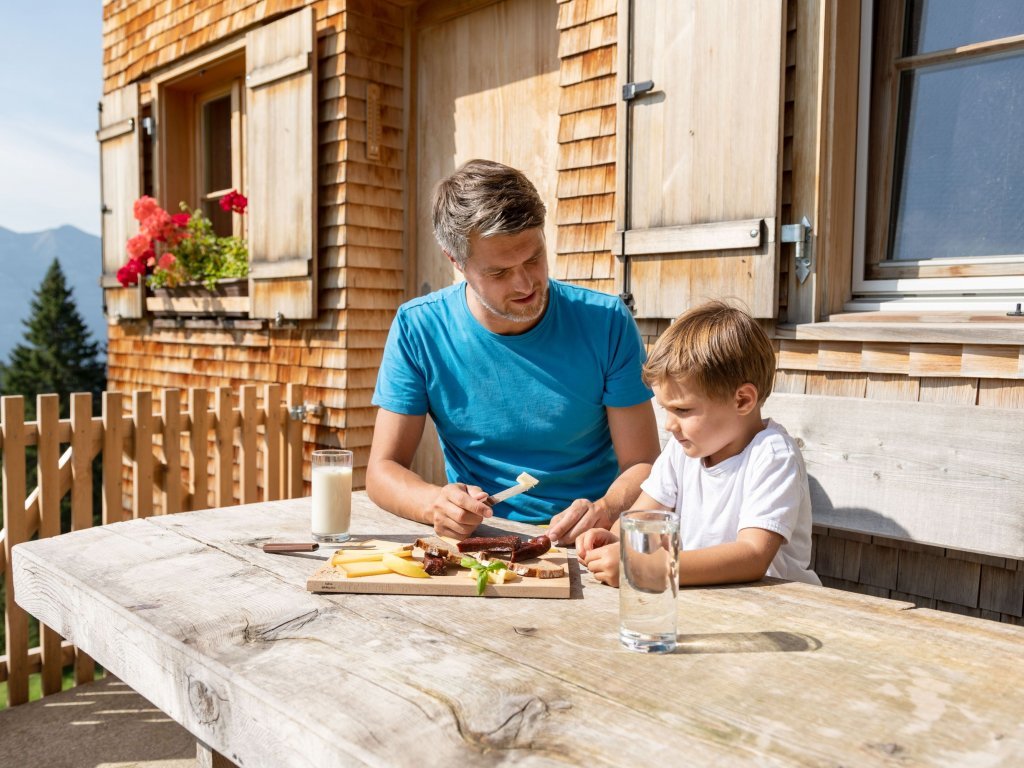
x=801, y=235
x=631, y=90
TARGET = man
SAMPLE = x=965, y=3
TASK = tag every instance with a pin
x=518, y=372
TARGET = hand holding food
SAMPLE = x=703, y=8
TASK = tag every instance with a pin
x=458, y=509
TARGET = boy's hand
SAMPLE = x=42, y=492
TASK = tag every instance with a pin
x=598, y=550
x=592, y=539
x=458, y=509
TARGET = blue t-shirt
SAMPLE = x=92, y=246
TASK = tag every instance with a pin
x=533, y=402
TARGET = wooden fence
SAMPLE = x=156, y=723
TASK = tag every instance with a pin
x=157, y=456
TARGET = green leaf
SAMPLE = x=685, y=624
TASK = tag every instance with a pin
x=481, y=579
x=469, y=562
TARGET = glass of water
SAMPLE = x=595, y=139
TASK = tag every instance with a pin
x=648, y=580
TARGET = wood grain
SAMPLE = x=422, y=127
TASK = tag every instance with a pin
x=937, y=474
x=191, y=613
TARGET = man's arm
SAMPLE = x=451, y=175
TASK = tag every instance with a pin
x=634, y=434
x=454, y=510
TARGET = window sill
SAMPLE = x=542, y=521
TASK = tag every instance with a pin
x=904, y=327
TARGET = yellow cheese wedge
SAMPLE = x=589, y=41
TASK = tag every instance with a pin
x=343, y=556
x=354, y=570
x=409, y=568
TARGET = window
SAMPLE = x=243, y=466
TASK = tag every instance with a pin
x=941, y=154
x=201, y=159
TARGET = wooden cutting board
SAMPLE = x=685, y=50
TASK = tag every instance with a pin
x=457, y=582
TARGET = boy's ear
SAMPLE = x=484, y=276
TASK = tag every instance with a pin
x=746, y=399
x=452, y=260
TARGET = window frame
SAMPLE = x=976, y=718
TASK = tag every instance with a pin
x=968, y=283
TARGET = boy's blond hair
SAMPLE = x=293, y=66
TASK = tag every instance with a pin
x=716, y=349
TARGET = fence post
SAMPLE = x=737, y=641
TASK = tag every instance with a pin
x=272, y=442
x=48, y=479
x=113, y=447
x=222, y=448
x=198, y=469
x=171, y=403
x=247, y=460
x=294, y=433
x=142, y=461
x=15, y=525
x=81, y=496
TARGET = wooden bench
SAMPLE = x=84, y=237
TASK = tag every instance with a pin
x=946, y=475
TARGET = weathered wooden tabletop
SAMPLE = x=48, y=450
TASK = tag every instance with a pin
x=190, y=612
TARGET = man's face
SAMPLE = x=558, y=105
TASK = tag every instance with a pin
x=507, y=277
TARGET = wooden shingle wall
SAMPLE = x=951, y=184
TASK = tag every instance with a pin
x=585, y=209
x=360, y=257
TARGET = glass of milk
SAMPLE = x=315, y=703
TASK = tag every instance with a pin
x=332, y=495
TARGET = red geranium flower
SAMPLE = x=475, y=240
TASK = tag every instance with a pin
x=181, y=219
x=234, y=201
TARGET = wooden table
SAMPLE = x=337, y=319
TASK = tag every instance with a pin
x=191, y=613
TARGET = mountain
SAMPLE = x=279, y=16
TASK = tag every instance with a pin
x=24, y=259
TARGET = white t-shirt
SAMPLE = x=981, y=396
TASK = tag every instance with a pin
x=765, y=486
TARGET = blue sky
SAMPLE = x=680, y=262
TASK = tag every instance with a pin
x=51, y=70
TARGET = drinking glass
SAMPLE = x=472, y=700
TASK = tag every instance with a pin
x=332, y=495
x=648, y=580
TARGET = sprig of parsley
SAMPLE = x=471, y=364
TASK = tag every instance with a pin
x=481, y=570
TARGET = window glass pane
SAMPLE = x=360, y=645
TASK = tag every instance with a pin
x=216, y=133
x=934, y=25
x=959, y=177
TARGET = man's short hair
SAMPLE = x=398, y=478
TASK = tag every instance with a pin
x=487, y=198
x=716, y=349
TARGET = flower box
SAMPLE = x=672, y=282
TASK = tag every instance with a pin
x=228, y=297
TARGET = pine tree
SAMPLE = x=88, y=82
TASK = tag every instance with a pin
x=57, y=355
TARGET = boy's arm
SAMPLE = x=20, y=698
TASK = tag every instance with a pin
x=746, y=559
x=634, y=433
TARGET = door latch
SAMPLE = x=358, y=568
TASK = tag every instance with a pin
x=800, y=234
x=631, y=90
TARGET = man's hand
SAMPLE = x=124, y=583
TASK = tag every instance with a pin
x=458, y=509
x=598, y=550
x=580, y=516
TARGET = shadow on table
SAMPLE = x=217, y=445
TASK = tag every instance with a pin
x=746, y=642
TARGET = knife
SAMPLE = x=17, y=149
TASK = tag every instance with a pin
x=525, y=483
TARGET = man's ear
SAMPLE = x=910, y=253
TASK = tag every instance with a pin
x=453, y=261
x=745, y=399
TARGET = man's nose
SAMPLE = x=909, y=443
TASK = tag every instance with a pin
x=521, y=280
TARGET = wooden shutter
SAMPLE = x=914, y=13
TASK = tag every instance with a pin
x=281, y=166
x=698, y=185
x=120, y=186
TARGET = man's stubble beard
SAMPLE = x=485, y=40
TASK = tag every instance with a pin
x=512, y=316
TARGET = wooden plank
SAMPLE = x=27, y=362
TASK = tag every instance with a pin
x=223, y=447
x=719, y=236
x=142, y=458
x=232, y=625
x=113, y=440
x=172, y=492
x=272, y=442
x=198, y=468
x=247, y=479
x=890, y=469
x=48, y=477
x=15, y=529
x=83, y=436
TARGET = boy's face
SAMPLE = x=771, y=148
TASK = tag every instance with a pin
x=707, y=428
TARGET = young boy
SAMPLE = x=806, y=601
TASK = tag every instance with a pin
x=737, y=481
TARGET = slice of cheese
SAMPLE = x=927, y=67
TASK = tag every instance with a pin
x=343, y=556
x=354, y=570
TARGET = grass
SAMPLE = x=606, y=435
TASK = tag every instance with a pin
x=35, y=685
